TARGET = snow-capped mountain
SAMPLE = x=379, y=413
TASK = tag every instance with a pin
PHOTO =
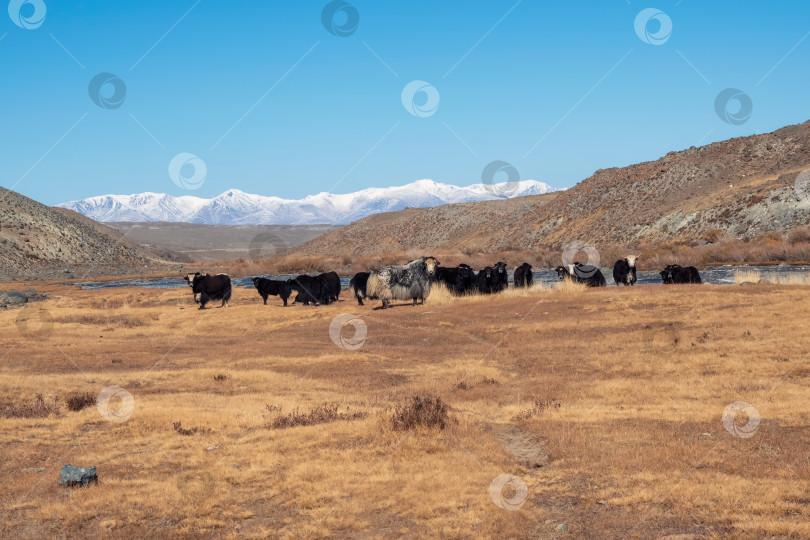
x=236, y=207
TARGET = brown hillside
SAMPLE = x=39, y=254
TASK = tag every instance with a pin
x=39, y=242
x=742, y=187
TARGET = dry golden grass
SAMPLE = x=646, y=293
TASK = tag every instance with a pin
x=746, y=275
x=751, y=275
x=617, y=394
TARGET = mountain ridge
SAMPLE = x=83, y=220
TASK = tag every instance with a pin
x=236, y=207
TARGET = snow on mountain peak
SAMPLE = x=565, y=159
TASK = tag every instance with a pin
x=235, y=207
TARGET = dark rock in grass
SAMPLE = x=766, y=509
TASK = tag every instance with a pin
x=73, y=476
x=15, y=297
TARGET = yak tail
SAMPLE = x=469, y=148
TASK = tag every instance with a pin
x=227, y=296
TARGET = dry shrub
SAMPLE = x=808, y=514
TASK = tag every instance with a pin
x=799, y=235
x=713, y=235
x=103, y=303
x=420, y=411
x=537, y=408
x=178, y=427
x=439, y=295
x=322, y=414
x=293, y=264
x=789, y=279
x=743, y=275
x=78, y=401
x=770, y=238
x=472, y=249
x=569, y=286
x=36, y=408
x=523, y=292
x=221, y=377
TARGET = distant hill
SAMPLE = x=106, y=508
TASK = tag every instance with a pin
x=741, y=187
x=236, y=207
x=40, y=242
x=221, y=242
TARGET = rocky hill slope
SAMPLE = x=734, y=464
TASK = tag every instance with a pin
x=741, y=187
x=40, y=242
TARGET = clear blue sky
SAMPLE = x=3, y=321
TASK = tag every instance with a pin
x=573, y=76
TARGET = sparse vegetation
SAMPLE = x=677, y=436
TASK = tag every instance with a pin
x=536, y=408
x=746, y=275
x=321, y=414
x=799, y=235
x=80, y=400
x=421, y=411
x=119, y=320
x=178, y=427
x=636, y=427
x=38, y=407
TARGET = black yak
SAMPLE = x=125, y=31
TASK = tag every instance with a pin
x=309, y=289
x=581, y=273
x=624, y=271
x=331, y=283
x=358, y=286
x=217, y=287
x=458, y=280
x=674, y=273
x=485, y=280
x=501, y=277
x=267, y=287
x=523, y=276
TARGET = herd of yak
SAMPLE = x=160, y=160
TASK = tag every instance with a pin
x=412, y=281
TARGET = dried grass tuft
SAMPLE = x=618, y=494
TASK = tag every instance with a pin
x=421, y=411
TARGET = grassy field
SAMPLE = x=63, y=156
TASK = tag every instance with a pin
x=570, y=412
